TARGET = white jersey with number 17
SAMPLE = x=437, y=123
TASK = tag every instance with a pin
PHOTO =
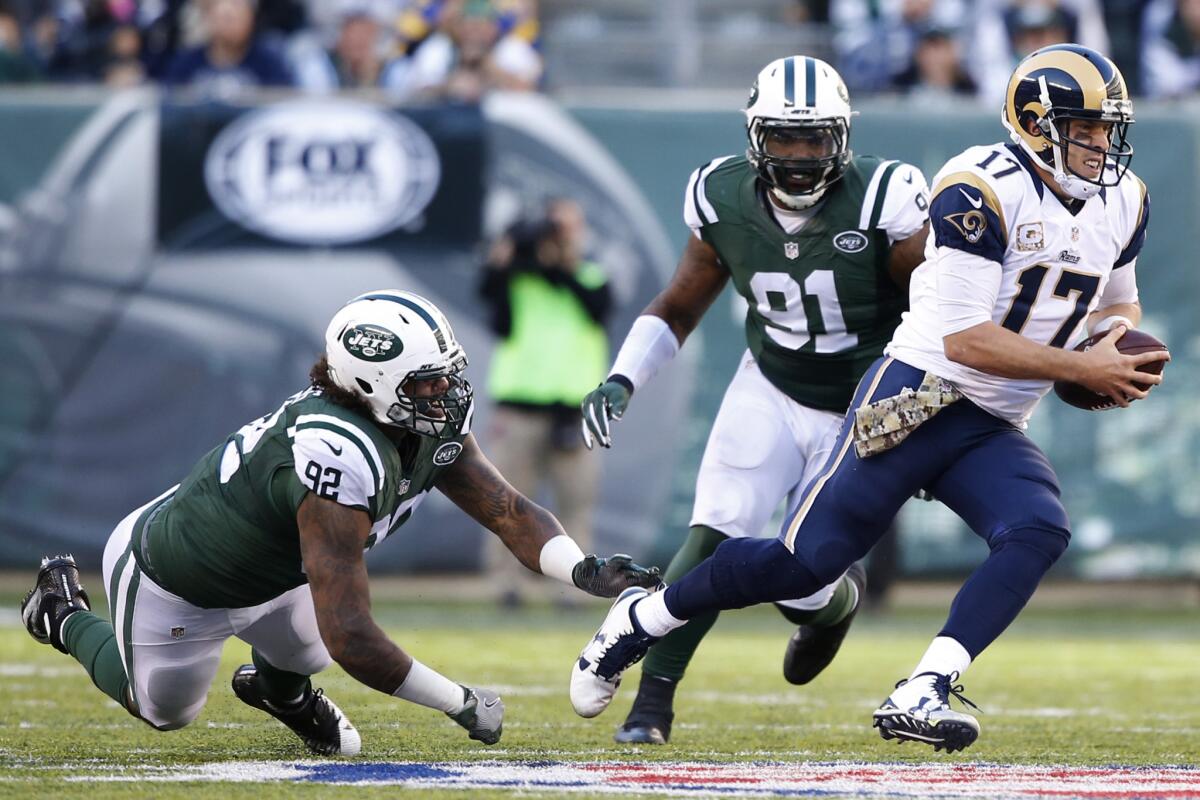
x=1004, y=248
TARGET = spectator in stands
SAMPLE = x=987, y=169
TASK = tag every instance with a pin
x=233, y=57
x=937, y=75
x=359, y=56
x=76, y=38
x=124, y=67
x=1008, y=30
x=548, y=306
x=468, y=57
x=1171, y=48
x=15, y=65
x=876, y=40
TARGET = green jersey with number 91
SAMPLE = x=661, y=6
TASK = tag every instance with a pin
x=227, y=537
x=821, y=302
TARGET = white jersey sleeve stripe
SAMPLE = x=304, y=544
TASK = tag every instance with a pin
x=331, y=465
x=697, y=210
x=691, y=214
x=864, y=221
x=360, y=439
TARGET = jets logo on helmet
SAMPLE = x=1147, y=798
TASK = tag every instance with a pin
x=1065, y=82
x=381, y=343
x=798, y=123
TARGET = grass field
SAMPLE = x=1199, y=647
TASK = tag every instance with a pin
x=1079, y=687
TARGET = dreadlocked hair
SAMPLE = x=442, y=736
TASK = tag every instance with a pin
x=323, y=380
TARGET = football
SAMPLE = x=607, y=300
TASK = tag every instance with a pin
x=1131, y=344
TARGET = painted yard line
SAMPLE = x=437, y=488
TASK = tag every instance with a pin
x=756, y=779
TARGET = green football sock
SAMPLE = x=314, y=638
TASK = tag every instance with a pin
x=92, y=642
x=844, y=599
x=669, y=658
x=277, y=685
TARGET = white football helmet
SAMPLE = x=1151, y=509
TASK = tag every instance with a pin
x=381, y=340
x=799, y=99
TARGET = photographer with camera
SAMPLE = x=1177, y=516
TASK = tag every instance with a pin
x=548, y=306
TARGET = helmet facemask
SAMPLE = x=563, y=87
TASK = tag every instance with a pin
x=442, y=415
x=798, y=182
x=1055, y=125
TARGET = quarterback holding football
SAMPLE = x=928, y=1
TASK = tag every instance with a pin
x=1034, y=245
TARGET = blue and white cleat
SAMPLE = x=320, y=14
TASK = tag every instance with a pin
x=619, y=644
x=919, y=711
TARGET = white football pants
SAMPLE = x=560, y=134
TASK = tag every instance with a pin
x=172, y=649
x=763, y=449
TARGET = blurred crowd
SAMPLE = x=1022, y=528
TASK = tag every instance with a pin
x=410, y=48
x=936, y=50
x=943, y=50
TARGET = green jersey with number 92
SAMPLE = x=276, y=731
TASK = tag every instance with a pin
x=228, y=538
x=821, y=302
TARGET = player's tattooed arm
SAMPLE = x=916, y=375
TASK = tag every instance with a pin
x=906, y=255
x=475, y=485
x=697, y=282
x=332, y=537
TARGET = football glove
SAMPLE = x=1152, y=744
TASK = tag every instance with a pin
x=608, y=577
x=607, y=402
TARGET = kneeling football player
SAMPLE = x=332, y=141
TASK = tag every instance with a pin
x=264, y=540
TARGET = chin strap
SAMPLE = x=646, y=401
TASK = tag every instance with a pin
x=798, y=202
x=1071, y=184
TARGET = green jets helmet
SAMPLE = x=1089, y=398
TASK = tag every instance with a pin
x=381, y=341
x=799, y=99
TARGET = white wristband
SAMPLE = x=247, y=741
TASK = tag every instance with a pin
x=649, y=345
x=429, y=688
x=559, y=557
x=1108, y=323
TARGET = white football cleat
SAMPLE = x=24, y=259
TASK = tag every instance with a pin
x=619, y=644
x=919, y=711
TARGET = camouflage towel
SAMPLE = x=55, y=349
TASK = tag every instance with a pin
x=885, y=423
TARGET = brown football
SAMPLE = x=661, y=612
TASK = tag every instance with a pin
x=1132, y=343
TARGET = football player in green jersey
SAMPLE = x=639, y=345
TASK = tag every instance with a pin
x=820, y=243
x=264, y=540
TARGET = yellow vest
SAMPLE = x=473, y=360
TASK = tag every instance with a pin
x=555, y=352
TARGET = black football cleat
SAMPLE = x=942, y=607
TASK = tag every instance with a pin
x=314, y=718
x=56, y=596
x=649, y=720
x=811, y=649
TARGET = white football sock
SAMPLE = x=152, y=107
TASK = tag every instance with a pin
x=944, y=656
x=651, y=613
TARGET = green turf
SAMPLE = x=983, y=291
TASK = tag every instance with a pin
x=1085, y=687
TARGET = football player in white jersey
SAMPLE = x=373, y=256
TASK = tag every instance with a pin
x=1034, y=246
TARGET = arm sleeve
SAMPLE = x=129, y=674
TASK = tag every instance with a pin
x=906, y=204
x=1121, y=287
x=966, y=215
x=967, y=287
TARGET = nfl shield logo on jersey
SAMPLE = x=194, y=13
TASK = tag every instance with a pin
x=402, y=487
x=177, y=632
x=791, y=250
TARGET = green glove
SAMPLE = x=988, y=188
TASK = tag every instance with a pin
x=608, y=577
x=607, y=402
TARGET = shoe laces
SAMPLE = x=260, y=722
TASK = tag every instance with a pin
x=944, y=687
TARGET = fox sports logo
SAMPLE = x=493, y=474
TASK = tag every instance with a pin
x=322, y=172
